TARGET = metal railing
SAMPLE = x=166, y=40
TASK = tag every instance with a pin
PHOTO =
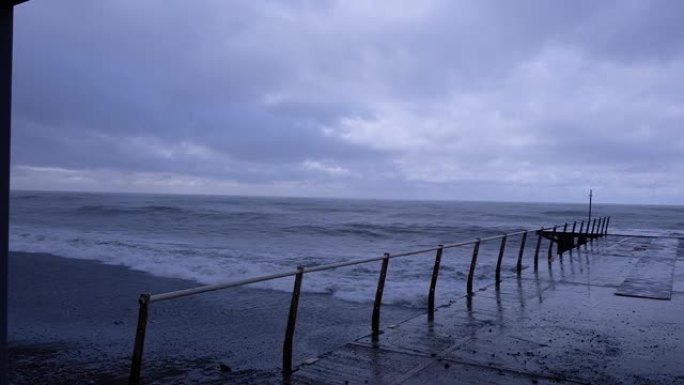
x=598, y=229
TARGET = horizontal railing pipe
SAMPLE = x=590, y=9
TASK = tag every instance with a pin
x=219, y=286
x=416, y=252
x=332, y=266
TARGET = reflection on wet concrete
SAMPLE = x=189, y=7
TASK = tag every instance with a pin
x=541, y=328
x=652, y=277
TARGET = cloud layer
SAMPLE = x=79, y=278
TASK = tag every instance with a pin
x=528, y=100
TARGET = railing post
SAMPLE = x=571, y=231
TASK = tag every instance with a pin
x=292, y=321
x=553, y=237
x=599, y=231
x=136, y=361
x=593, y=227
x=561, y=241
x=588, y=229
x=536, y=250
x=607, y=224
x=603, y=229
x=581, y=237
x=378, y=297
x=523, y=239
x=473, y=263
x=433, y=283
x=499, y=260
x=574, y=226
x=595, y=230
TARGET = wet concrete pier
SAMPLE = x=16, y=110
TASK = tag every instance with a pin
x=610, y=312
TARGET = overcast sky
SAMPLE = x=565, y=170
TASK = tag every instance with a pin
x=477, y=100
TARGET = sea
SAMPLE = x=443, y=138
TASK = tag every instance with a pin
x=214, y=239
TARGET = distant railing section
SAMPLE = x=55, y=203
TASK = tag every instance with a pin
x=565, y=240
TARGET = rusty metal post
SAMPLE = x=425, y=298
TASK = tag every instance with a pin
x=473, y=263
x=581, y=236
x=378, y=296
x=553, y=236
x=136, y=361
x=433, y=283
x=499, y=260
x=603, y=229
x=536, y=250
x=607, y=224
x=292, y=322
x=574, y=244
x=599, y=230
x=593, y=227
x=561, y=249
x=518, y=266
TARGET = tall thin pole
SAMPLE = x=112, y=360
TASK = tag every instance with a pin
x=591, y=194
x=6, y=25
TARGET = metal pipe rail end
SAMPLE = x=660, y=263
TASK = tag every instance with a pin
x=136, y=364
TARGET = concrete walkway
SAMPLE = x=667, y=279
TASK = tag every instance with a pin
x=562, y=324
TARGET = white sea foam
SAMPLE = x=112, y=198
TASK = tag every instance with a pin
x=223, y=239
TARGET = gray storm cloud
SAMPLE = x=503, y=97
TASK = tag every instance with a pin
x=526, y=100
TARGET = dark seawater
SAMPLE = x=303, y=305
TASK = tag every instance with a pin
x=212, y=239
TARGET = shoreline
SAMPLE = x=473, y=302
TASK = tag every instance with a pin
x=73, y=321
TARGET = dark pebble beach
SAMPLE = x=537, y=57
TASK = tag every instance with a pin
x=73, y=322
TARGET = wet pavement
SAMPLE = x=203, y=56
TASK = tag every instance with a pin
x=561, y=324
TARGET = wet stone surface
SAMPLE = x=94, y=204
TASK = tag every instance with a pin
x=560, y=324
x=652, y=277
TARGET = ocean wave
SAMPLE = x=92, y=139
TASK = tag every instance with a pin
x=392, y=231
x=25, y=197
x=579, y=213
x=406, y=284
x=135, y=210
x=220, y=239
